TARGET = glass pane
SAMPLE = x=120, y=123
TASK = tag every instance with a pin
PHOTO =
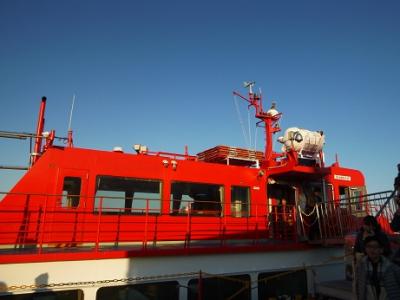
x=60, y=295
x=240, y=201
x=271, y=285
x=221, y=288
x=196, y=198
x=147, y=291
x=71, y=192
x=128, y=195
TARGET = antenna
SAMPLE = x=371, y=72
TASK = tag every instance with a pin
x=70, y=142
x=249, y=84
x=70, y=114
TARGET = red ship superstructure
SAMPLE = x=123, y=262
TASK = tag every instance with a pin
x=93, y=208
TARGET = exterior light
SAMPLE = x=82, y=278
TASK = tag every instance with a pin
x=136, y=147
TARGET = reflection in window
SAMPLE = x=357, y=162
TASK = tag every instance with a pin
x=219, y=288
x=168, y=290
x=271, y=285
x=240, y=201
x=196, y=198
x=356, y=199
x=71, y=191
x=127, y=195
x=59, y=295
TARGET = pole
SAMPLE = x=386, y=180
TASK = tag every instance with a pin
x=39, y=130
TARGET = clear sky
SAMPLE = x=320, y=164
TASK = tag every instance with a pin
x=161, y=73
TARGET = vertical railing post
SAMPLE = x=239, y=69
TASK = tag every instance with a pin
x=200, y=287
x=187, y=235
x=222, y=234
x=256, y=229
x=339, y=212
x=42, y=228
x=294, y=224
x=301, y=220
x=319, y=221
x=146, y=225
x=98, y=225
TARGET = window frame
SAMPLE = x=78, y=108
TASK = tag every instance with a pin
x=128, y=203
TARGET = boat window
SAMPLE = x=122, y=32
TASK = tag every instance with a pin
x=352, y=198
x=196, y=198
x=240, y=196
x=343, y=193
x=356, y=198
x=286, y=285
x=127, y=195
x=53, y=295
x=168, y=290
x=222, y=287
x=71, y=191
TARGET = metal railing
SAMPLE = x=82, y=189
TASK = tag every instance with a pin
x=39, y=222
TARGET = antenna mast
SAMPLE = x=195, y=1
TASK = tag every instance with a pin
x=70, y=141
x=270, y=119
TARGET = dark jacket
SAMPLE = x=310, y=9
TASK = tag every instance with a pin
x=389, y=275
x=395, y=224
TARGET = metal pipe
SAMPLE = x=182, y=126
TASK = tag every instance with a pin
x=39, y=130
x=16, y=135
x=13, y=167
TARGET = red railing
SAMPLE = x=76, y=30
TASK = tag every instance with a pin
x=39, y=224
x=39, y=221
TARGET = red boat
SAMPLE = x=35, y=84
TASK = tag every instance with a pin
x=227, y=222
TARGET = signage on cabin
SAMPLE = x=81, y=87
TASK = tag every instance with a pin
x=342, y=177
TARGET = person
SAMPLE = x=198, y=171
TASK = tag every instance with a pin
x=395, y=224
x=376, y=276
x=370, y=227
x=397, y=183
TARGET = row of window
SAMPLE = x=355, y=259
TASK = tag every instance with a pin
x=140, y=196
x=236, y=287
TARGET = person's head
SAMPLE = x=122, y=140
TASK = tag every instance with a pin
x=373, y=247
x=398, y=167
x=370, y=224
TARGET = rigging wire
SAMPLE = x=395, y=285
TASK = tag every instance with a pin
x=255, y=139
x=248, y=124
x=241, y=120
x=71, y=111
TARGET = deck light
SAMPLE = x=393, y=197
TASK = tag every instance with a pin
x=118, y=149
x=136, y=147
x=165, y=162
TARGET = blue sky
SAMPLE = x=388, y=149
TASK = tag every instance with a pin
x=161, y=73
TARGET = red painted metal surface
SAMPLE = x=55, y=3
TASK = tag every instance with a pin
x=62, y=208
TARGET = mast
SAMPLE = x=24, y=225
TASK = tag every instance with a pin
x=269, y=118
x=39, y=129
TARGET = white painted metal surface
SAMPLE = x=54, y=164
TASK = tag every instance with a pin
x=325, y=263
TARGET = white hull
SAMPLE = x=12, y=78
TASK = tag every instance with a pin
x=323, y=264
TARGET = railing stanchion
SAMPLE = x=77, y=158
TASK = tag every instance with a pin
x=42, y=228
x=187, y=235
x=146, y=225
x=98, y=225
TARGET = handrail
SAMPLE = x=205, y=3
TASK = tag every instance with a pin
x=385, y=204
x=39, y=221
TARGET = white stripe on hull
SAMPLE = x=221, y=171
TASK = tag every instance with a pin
x=323, y=261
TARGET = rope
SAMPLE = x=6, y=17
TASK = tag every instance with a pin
x=93, y=283
x=304, y=213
